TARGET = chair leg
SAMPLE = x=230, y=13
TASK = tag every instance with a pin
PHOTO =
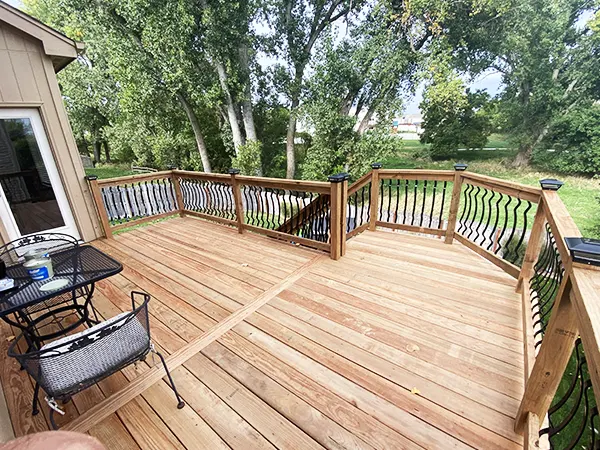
x=51, y=417
x=180, y=401
x=34, y=408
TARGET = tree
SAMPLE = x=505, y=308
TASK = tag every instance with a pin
x=297, y=25
x=541, y=48
x=452, y=115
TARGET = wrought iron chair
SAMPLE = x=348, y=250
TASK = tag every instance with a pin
x=64, y=367
x=14, y=253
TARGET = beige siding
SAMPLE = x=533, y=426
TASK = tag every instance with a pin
x=27, y=79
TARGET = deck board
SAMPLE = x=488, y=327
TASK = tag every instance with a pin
x=406, y=342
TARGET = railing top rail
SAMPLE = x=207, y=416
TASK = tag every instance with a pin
x=514, y=187
x=222, y=178
x=134, y=178
x=320, y=187
x=362, y=181
x=416, y=174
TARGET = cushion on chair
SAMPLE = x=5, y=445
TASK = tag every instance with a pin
x=70, y=365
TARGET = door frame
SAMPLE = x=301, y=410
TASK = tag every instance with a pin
x=41, y=136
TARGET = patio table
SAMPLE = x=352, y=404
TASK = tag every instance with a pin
x=81, y=267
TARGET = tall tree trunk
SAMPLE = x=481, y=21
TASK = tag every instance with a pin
x=97, y=150
x=238, y=138
x=247, y=112
x=364, y=123
x=106, y=151
x=289, y=144
x=197, y=132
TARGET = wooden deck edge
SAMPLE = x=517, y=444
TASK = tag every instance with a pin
x=413, y=228
x=528, y=332
x=136, y=222
x=221, y=220
x=509, y=268
x=288, y=237
x=357, y=231
x=119, y=399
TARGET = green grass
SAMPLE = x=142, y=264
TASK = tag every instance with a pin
x=579, y=194
x=494, y=141
x=109, y=171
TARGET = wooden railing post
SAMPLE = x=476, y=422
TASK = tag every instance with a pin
x=100, y=208
x=237, y=198
x=374, y=201
x=178, y=194
x=454, y=204
x=551, y=361
x=339, y=184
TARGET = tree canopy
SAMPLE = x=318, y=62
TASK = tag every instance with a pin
x=309, y=87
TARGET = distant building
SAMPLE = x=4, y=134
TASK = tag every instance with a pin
x=409, y=123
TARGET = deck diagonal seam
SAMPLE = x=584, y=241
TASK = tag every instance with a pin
x=111, y=404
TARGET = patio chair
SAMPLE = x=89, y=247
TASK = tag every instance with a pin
x=68, y=365
x=14, y=253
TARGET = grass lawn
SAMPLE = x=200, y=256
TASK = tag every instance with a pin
x=579, y=194
x=109, y=171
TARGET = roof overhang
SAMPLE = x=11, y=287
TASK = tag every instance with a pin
x=61, y=49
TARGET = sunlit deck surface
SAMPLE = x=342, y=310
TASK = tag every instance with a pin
x=405, y=342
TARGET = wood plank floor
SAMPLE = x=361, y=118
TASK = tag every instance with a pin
x=405, y=342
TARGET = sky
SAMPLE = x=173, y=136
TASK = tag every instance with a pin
x=490, y=82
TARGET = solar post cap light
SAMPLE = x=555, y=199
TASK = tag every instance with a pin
x=460, y=167
x=584, y=250
x=551, y=184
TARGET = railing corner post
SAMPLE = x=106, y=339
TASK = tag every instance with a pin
x=339, y=198
x=178, y=194
x=237, y=199
x=100, y=209
x=455, y=202
x=374, y=201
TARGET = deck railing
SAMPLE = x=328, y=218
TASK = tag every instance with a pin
x=521, y=229
x=309, y=213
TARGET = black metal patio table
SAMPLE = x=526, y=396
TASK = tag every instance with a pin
x=81, y=266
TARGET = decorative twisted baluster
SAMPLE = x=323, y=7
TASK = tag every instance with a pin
x=495, y=221
x=573, y=416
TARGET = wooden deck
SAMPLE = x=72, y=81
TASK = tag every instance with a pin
x=405, y=342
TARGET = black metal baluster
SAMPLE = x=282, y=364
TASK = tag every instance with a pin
x=389, y=208
x=423, y=205
x=523, y=230
x=512, y=233
x=441, y=222
x=416, y=187
x=380, y=216
x=489, y=219
x=466, y=201
x=472, y=227
x=432, y=203
x=406, y=182
x=504, y=225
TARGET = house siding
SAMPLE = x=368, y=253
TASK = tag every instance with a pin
x=27, y=79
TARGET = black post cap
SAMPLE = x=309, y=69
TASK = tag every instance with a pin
x=91, y=177
x=338, y=178
x=460, y=167
x=233, y=171
x=551, y=184
x=376, y=166
x=172, y=167
x=584, y=250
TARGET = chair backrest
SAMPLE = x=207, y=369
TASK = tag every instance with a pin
x=14, y=252
x=72, y=363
